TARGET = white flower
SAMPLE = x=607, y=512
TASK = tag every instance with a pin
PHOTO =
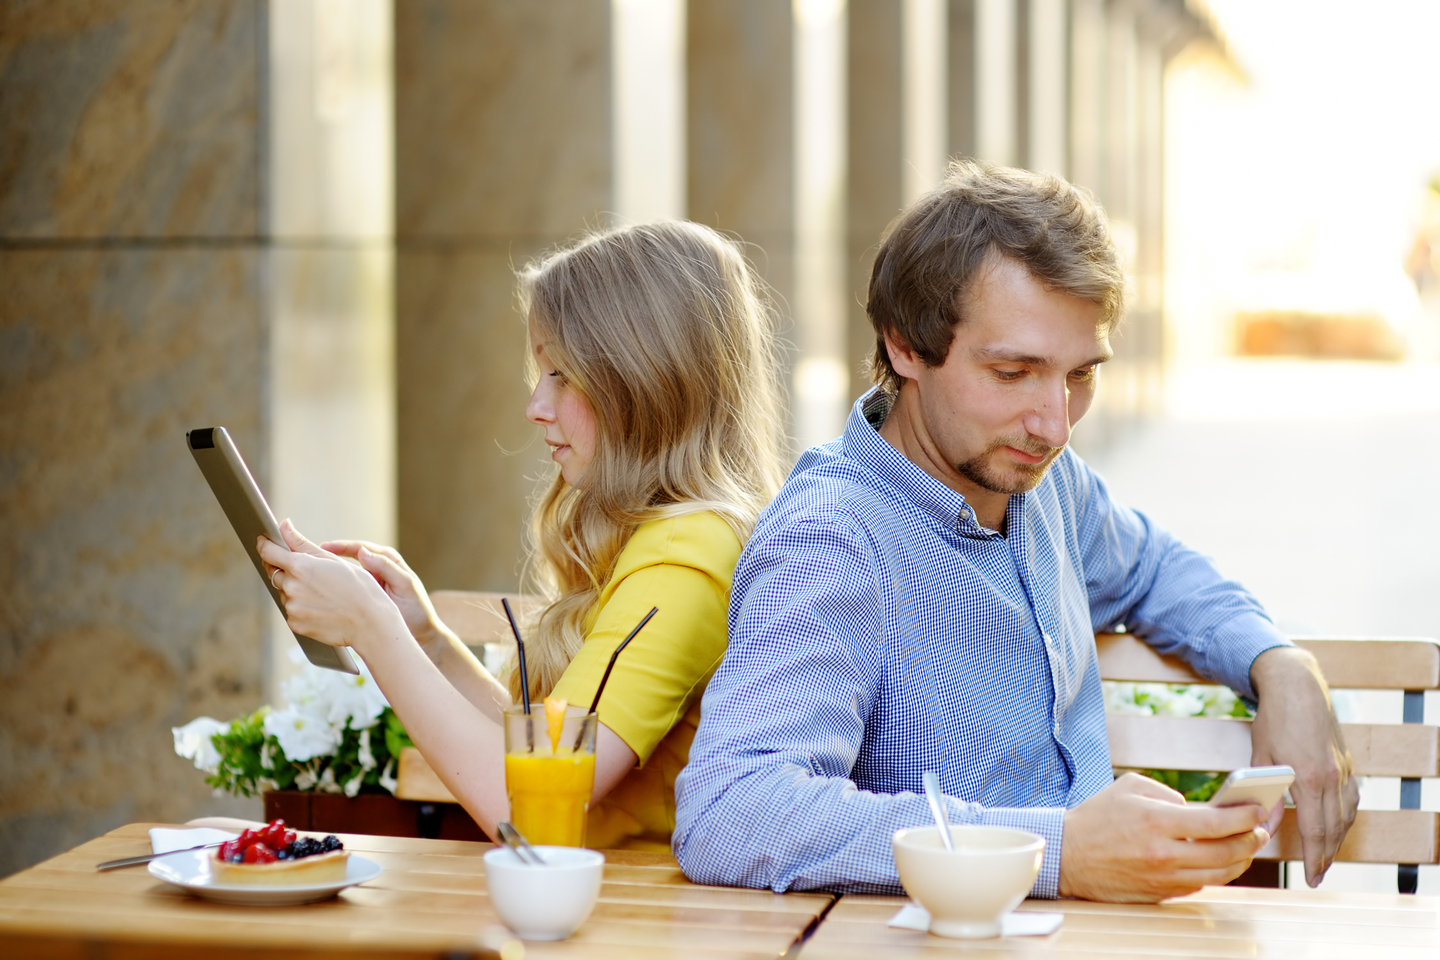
x=302, y=735
x=193, y=742
x=387, y=776
x=326, y=783
x=367, y=758
x=340, y=699
x=305, y=779
x=355, y=698
x=353, y=787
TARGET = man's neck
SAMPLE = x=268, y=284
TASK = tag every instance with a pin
x=903, y=430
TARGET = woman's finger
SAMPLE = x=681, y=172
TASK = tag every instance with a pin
x=297, y=541
x=273, y=554
x=352, y=548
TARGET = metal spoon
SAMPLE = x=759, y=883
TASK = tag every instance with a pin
x=932, y=794
x=516, y=842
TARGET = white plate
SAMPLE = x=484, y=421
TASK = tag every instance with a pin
x=190, y=870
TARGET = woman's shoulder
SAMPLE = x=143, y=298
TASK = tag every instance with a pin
x=702, y=540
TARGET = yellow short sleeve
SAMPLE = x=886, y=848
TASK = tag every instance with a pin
x=682, y=565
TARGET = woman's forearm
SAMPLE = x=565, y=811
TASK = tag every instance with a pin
x=466, y=673
x=462, y=742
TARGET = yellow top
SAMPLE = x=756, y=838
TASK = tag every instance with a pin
x=682, y=565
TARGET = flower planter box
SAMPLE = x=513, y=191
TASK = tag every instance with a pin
x=375, y=814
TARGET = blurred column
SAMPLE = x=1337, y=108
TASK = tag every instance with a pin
x=504, y=147
x=648, y=53
x=961, y=72
x=330, y=276
x=1047, y=86
x=1087, y=94
x=995, y=81
x=875, y=136
x=923, y=96
x=821, y=381
x=741, y=128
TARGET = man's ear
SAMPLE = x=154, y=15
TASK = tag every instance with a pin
x=905, y=361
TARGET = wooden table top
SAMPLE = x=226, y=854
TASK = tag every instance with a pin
x=430, y=901
x=1216, y=922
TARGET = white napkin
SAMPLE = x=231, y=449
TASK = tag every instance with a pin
x=912, y=916
x=167, y=840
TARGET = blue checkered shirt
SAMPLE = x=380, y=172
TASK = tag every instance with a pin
x=877, y=631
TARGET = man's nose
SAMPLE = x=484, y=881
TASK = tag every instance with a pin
x=1049, y=421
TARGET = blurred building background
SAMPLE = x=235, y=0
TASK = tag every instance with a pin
x=300, y=219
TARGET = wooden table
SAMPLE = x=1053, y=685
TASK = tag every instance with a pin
x=429, y=902
x=1216, y=922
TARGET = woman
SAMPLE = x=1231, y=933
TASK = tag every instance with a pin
x=654, y=381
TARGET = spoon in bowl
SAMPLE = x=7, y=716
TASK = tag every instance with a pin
x=516, y=842
x=932, y=794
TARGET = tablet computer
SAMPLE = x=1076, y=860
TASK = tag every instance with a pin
x=245, y=507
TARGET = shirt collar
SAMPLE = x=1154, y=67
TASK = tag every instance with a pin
x=864, y=444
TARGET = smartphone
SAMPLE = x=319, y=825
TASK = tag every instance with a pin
x=245, y=507
x=1260, y=785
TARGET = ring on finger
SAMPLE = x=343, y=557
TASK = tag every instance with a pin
x=273, y=575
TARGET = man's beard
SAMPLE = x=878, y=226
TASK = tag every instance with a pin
x=1023, y=477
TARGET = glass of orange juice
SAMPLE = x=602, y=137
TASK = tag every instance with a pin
x=550, y=772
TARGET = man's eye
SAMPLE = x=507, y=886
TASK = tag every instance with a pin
x=1083, y=376
x=1009, y=374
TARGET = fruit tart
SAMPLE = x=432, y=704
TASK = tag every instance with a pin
x=276, y=857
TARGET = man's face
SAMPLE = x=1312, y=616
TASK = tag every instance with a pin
x=1020, y=373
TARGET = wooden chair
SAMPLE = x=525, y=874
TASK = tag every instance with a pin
x=1409, y=750
x=477, y=619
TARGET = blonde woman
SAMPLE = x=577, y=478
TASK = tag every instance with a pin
x=655, y=386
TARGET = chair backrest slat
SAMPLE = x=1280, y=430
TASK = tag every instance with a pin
x=478, y=618
x=1380, y=664
x=1378, y=836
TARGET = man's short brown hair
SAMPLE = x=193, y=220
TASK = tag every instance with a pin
x=933, y=251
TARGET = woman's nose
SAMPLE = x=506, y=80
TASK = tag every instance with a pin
x=540, y=410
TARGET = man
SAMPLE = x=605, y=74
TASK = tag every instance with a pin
x=924, y=592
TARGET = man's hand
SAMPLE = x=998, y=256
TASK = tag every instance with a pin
x=1137, y=841
x=1296, y=725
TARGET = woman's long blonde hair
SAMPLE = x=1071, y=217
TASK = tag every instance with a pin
x=665, y=331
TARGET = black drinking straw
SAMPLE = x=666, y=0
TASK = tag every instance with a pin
x=605, y=679
x=524, y=680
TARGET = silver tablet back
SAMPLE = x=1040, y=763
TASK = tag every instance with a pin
x=245, y=507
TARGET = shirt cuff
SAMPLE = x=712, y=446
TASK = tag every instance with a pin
x=1049, y=822
x=1234, y=646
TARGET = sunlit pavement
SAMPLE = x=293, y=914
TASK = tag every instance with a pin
x=1317, y=486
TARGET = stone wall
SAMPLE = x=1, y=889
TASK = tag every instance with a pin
x=503, y=120
x=130, y=205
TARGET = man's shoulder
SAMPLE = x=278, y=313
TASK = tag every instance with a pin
x=828, y=488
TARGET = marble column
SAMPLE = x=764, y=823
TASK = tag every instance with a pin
x=194, y=230
x=503, y=148
x=131, y=218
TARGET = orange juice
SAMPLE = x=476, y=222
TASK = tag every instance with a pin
x=550, y=793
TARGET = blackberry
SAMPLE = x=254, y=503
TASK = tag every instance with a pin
x=331, y=842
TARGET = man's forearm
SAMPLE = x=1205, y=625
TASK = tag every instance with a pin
x=829, y=836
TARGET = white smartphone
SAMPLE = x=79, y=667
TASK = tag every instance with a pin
x=219, y=460
x=1259, y=785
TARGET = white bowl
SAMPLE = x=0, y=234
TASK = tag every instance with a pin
x=968, y=890
x=549, y=902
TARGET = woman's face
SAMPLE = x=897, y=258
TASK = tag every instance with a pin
x=568, y=420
